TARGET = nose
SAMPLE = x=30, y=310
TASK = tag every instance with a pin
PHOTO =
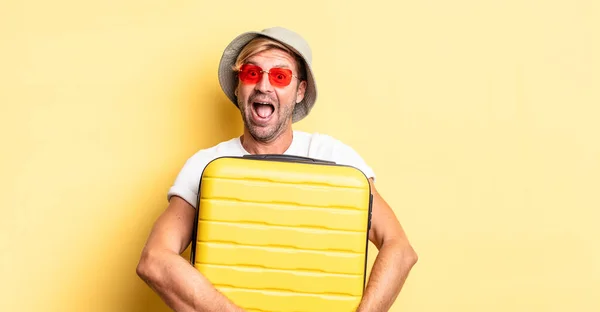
x=264, y=85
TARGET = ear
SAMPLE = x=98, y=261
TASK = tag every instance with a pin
x=300, y=91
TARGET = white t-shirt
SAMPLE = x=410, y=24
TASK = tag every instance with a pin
x=313, y=145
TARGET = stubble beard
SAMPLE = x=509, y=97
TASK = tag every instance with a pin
x=271, y=132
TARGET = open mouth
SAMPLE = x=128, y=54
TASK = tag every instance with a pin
x=263, y=110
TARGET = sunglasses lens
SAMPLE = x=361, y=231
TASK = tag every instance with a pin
x=250, y=73
x=280, y=77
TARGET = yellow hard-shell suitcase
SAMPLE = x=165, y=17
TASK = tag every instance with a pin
x=283, y=233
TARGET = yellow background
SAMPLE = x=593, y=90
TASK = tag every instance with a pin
x=481, y=119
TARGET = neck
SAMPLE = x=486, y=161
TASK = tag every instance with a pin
x=276, y=146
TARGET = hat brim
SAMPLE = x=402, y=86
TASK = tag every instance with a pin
x=228, y=79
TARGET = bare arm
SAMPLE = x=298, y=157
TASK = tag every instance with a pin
x=171, y=276
x=394, y=261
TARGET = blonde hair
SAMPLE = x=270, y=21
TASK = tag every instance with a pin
x=261, y=44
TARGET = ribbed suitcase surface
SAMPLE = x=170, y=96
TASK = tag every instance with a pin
x=283, y=235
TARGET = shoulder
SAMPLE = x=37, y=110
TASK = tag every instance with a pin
x=327, y=147
x=226, y=148
x=186, y=183
x=320, y=143
x=196, y=163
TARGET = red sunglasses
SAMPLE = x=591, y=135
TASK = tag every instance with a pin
x=279, y=77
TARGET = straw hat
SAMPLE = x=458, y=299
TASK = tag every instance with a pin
x=228, y=79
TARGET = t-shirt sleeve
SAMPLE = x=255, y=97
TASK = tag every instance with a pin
x=346, y=155
x=187, y=181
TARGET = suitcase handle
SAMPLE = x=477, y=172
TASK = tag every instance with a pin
x=290, y=158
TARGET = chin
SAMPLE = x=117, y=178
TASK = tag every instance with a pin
x=262, y=133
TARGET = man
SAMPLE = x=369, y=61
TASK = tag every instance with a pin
x=268, y=76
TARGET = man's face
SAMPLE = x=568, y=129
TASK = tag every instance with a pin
x=266, y=108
